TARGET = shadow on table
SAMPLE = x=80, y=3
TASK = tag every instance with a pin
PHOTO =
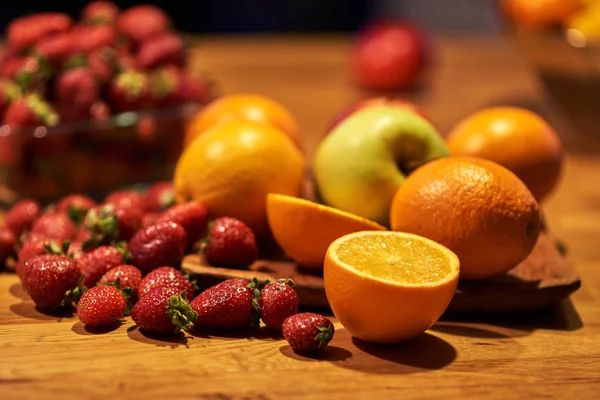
x=175, y=340
x=81, y=329
x=16, y=290
x=262, y=333
x=26, y=309
x=562, y=316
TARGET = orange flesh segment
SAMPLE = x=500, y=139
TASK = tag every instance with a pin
x=395, y=259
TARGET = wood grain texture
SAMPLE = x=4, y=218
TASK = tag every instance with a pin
x=553, y=353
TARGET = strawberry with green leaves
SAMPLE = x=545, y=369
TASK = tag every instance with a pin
x=164, y=310
x=108, y=223
x=30, y=110
x=278, y=301
x=52, y=281
x=76, y=206
x=104, y=305
x=130, y=91
x=95, y=263
x=308, y=332
x=128, y=275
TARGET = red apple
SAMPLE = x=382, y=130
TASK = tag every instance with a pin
x=377, y=101
x=389, y=55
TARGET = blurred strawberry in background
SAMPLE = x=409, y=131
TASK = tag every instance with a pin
x=389, y=55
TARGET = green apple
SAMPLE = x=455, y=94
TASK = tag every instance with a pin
x=361, y=164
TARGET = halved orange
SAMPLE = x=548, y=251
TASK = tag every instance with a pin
x=386, y=287
x=305, y=229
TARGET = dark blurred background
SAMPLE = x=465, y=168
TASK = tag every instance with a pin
x=256, y=16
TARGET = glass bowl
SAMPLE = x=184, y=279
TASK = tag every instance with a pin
x=93, y=156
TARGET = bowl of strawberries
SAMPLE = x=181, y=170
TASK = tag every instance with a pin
x=94, y=103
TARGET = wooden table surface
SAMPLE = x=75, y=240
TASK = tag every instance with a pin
x=552, y=353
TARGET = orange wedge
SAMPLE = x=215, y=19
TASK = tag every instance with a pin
x=386, y=287
x=304, y=229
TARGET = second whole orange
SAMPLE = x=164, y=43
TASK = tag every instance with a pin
x=516, y=138
x=475, y=207
x=250, y=107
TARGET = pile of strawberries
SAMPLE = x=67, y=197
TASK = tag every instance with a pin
x=56, y=69
x=123, y=257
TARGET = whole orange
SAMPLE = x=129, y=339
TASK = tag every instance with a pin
x=251, y=107
x=540, y=13
x=516, y=138
x=233, y=166
x=475, y=207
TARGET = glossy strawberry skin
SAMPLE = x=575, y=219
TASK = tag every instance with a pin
x=55, y=225
x=165, y=277
x=143, y=21
x=191, y=216
x=159, y=197
x=278, y=301
x=231, y=244
x=162, y=244
x=75, y=201
x=129, y=276
x=163, y=49
x=227, y=305
x=101, y=306
x=125, y=199
x=47, y=278
x=150, y=313
x=99, y=261
x=100, y=12
x=21, y=216
x=25, y=31
x=149, y=219
x=302, y=332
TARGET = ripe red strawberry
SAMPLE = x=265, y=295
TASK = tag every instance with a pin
x=159, y=197
x=162, y=244
x=102, y=63
x=172, y=86
x=149, y=219
x=191, y=216
x=129, y=276
x=56, y=48
x=76, y=206
x=166, y=276
x=228, y=305
x=48, y=279
x=278, y=301
x=11, y=65
x=20, y=217
x=102, y=305
x=100, y=12
x=143, y=21
x=165, y=48
x=25, y=31
x=30, y=110
x=37, y=245
x=55, y=225
x=76, y=89
x=93, y=37
x=107, y=223
x=99, y=261
x=130, y=91
x=230, y=244
x=164, y=310
x=7, y=244
x=125, y=198
x=308, y=332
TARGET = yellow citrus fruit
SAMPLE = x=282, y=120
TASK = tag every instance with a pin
x=251, y=107
x=386, y=287
x=304, y=229
x=233, y=166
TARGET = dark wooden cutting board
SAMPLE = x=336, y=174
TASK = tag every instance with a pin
x=542, y=279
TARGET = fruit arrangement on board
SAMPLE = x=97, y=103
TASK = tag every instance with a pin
x=405, y=213
x=579, y=20
x=66, y=84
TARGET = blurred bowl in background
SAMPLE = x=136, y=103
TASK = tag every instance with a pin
x=94, y=156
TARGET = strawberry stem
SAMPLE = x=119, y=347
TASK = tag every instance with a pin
x=54, y=249
x=181, y=313
x=76, y=215
x=73, y=295
x=126, y=292
x=254, y=286
x=324, y=336
x=102, y=225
